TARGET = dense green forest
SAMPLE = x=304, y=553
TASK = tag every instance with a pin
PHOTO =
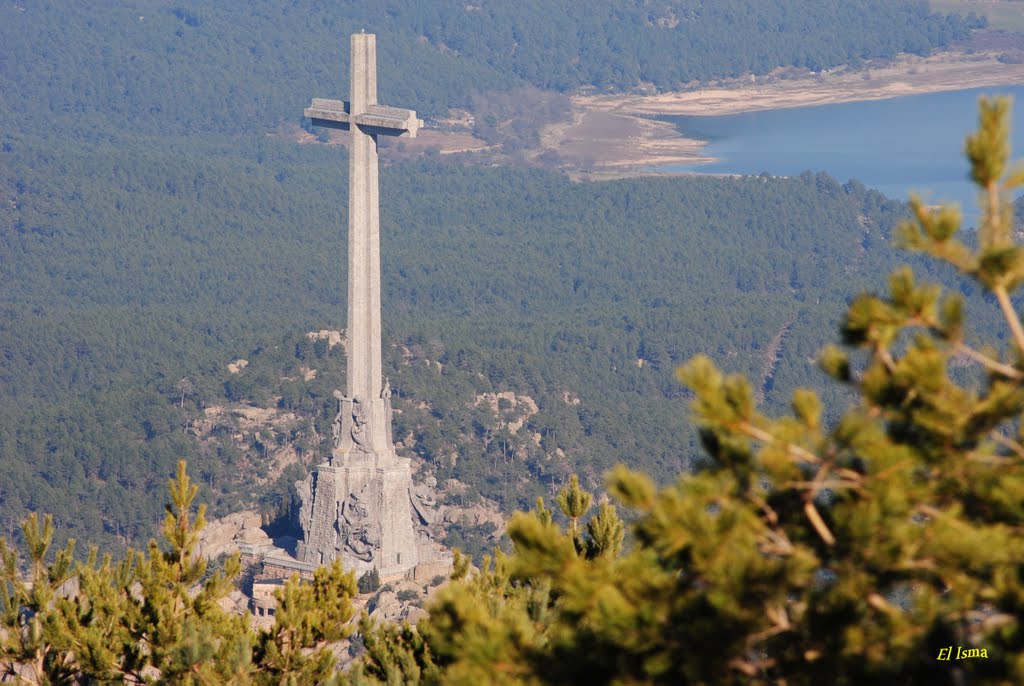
x=151, y=233
x=130, y=267
x=666, y=43
x=148, y=66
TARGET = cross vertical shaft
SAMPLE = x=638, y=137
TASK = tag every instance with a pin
x=364, y=327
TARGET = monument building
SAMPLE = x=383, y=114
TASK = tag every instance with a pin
x=357, y=505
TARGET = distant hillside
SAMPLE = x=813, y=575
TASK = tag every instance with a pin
x=151, y=233
x=129, y=268
x=611, y=44
x=88, y=70
x=1005, y=15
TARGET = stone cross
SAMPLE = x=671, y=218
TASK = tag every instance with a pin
x=364, y=413
x=357, y=506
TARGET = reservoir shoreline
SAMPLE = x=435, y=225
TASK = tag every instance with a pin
x=615, y=136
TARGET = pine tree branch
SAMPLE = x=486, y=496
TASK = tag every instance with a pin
x=765, y=437
x=992, y=209
x=1011, y=315
x=989, y=622
x=815, y=487
x=770, y=514
x=881, y=604
x=1008, y=443
x=988, y=363
x=776, y=543
x=744, y=667
x=892, y=468
x=767, y=633
x=886, y=357
x=818, y=523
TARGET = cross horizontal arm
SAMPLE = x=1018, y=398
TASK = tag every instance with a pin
x=377, y=119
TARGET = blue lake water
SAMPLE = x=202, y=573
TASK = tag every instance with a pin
x=900, y=145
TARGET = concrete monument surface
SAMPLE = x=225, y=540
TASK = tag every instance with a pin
x=356, y=506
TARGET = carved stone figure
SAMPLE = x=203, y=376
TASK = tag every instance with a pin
x=353, y=511
x=305, y=493
x=359, y=533
x=362, y=543
x=359, y=419
x=336, y=426
x=385, y=395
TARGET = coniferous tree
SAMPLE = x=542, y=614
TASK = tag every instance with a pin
x=156, y=617
x=872, y=550
x=369, y=581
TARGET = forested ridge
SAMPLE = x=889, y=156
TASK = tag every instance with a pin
x=666, y=43
x=151, y=232
x=151, y=67
x=131, y=267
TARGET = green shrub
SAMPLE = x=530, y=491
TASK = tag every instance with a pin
x=369, y=581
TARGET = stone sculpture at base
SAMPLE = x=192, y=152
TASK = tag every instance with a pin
x=356, y=506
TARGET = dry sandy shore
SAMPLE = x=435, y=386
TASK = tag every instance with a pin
x=615, y=135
